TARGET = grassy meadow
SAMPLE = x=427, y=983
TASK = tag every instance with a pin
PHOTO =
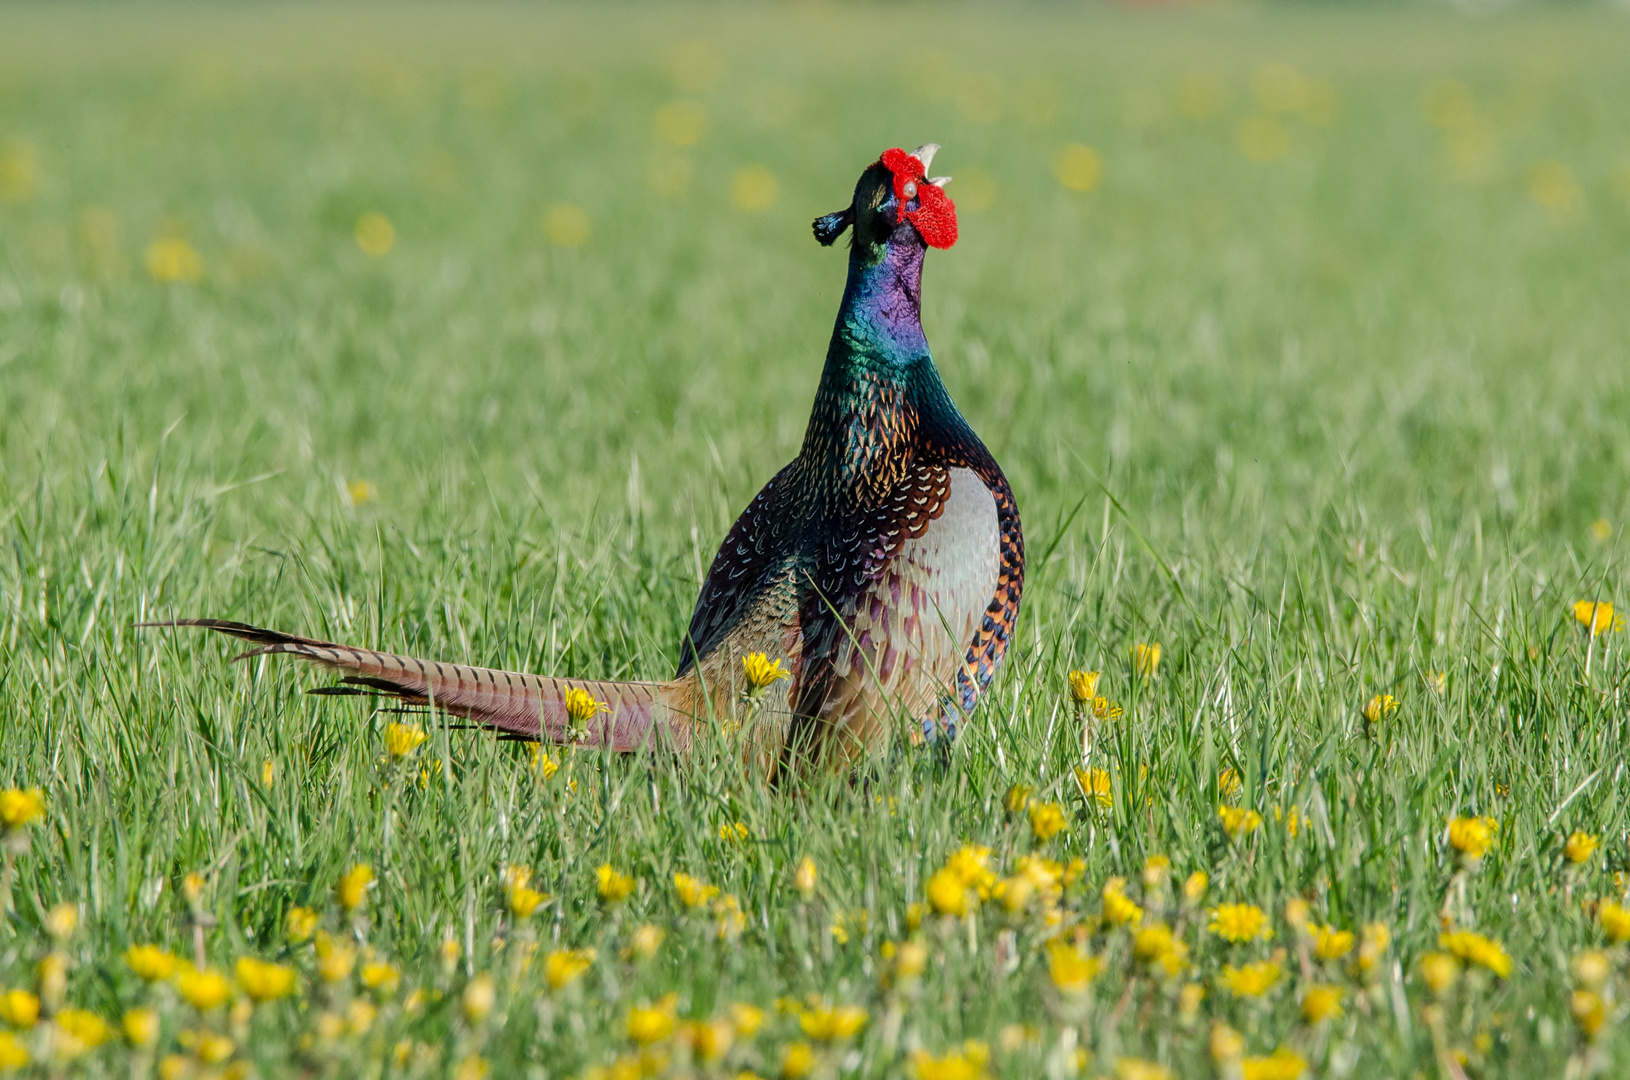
x=466, y=332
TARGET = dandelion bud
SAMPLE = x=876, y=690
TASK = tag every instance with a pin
x=479, y=997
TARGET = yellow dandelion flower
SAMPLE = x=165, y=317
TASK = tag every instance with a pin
x=731, y=920
x=1297, y=912
x=1156, y=869
x=381, y=975
x=805, y=877
x=1119, y=909
x=760, y=671
x=966, y=1063
x=1332, y=944
x=1153, y=941
x=1226, y=1044
x=650, y=1024
x=614, y=886
x=479, y=996
x=141, y=1026
x=1439, y=971
x=1138, y=1069
x=79, y=1030
x=747, y=1017
x=352, y=891
x=1601, y=528
x=797, y=1061
x=1229, y=784
x=1372, y=946
x=61, y=921
x=401, y=740
x=1581, y=846
x=302, y=923
x=645, y=942
x=1240, y=922
x=947, y=893
x=263, y=981
x=1251, y=980
x=1589, y=1012
x=1238, y=822
x=1472, y=836
x=150, y=962
x=565, y=966
x=1105, y=709
x=1615, y=920
x=1097, y=786
x=1554, y=187
x=582, y=707
x=1474, y=948
x=172, y=260
x=733, y=833
x=1146, y=658
x=1282, y=1064
x=833, y=1023
x=375, y=234
x=681, y=123
x=566, y=225
x=693, y=892
x=709, y=1040
x=20, y=807
x=203, y=988
x=1262, y=138
x=1078, y=167
x=1321, y=1003
x=1195, y=886
x=543, y=761
x=523, y=901
x=1598, y=616
x=1380, y=707
x=1046, y=820
x=268, y=773
x=1591, y=968
x=1017, y=798
x=19, y=1008
x=1084, y=686
x=360, y=492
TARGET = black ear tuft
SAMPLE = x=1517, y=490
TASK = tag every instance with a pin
x=830, y=227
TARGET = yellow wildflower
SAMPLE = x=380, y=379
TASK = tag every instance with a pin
x=352, y=890
x=1591, y=968
x=832, y=1023
x=581, y=707
x=1297, y=912
x=709, y=1040
x=335, y=957
x=1581, y=846
x=523, y=901
x=1598, y=616
x=1439, y=971
x=1589, y=1012
x=1229, y=784
x=1046, y=820
x=302, y=923
x=401, y=740
x=734, y=833
x=1240, y=922
x=1332, y=944
x=263, y=981
x=203, y=988
x=1139, y=1069
x=1321, y=1003
x=564, y=966
x=150, y=962
x=1070, y=970
x=1615, y=920
x=947, y=893
x=1373, y=946
x=967, y=1063
x=614, y=885
x=1119, y=909
x=1238, y=821
x=1226, y=1044
x=19, y=807
x=1282, y=1064
x=1472, y=836
x=1146, y=658
x=1156, y=869
x=1379, y=707
x=731, y=919
x=971, y=864
x=1195, y=885
x=61, y=921
x=19, y=1008
x=268, y=773
x=380, y=975
x=804, y=878
x=1096, y=786
x=1476, y=949
x=172, y=259
x=747, y=1018
x=543, y=761
x=141, y=1027
x=1155, y=943
x=1017, y=798
x=13, y=1055
x=798, y=1061
x=649, y=1024
x=693, y=892
x=83, y=1028
x=1252, y=980
x=375, y=234
x=761, y=671
x=1084, y=686
x=480, y=995
x=1078, y=167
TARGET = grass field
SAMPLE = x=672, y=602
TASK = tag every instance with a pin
x=1300, y=333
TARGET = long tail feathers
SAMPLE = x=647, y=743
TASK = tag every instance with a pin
x=636, y=714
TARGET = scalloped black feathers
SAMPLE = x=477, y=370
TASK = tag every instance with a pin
x=831, y=226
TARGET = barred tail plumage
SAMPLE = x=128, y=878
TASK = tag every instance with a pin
x=635, y=714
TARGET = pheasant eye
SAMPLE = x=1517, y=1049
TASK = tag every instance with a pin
x=910, y=190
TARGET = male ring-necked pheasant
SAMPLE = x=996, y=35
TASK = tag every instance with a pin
x=883, y=565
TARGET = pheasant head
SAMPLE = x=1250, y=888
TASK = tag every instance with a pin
x=895, y=203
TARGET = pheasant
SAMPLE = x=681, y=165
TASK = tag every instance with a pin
x=883, y=566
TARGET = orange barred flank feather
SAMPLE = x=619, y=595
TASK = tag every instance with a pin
x=636, y=714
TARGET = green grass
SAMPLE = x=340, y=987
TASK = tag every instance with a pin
x=1321, y=426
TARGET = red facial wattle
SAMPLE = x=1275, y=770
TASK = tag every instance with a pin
x=935, y=216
